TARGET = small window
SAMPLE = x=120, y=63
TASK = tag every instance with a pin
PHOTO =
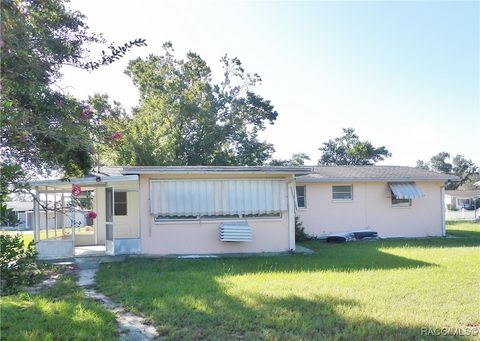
x=342, y=192
x=301, y=196
x=120, y=203
x=401, y=202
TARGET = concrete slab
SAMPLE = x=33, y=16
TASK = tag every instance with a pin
x=299, y=249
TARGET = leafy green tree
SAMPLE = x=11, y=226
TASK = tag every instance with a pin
x=111, y=118
x=470, y=183
x=185, y=118
x=465, y=169
x=11, y=178
x=42, y=128
x=349, y=150
x=297, y=159
x=439, y=163
x=422, y=165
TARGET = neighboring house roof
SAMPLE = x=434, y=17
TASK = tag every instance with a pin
x=464, y=194
x=214, y=169
x=20, y=206
x=373, y=173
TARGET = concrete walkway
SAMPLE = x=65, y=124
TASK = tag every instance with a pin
x=130, y=326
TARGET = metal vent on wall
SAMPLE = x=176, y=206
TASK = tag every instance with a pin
x=235, y=232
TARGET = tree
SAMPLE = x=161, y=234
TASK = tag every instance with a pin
x=439, y=163
x=470, y=183
x=348, y=150
x=11, y=177
x=184, y=118
x=297, y=159
x=422, y=165
x=42, y=128
x=465, y=169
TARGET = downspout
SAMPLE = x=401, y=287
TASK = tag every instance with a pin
x=291, y=214
x=442, y=209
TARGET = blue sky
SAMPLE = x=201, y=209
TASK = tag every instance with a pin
x=404, y=74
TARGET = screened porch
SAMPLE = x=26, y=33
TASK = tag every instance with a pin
x=86, y=216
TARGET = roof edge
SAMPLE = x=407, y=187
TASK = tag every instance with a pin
x=379, y=179
x=214, y=169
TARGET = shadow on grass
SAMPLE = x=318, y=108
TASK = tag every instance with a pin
x=58, y=313
x=205, y=299
x=198, y=304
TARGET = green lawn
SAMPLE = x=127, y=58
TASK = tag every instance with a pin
x=382, y=290
x=28, y=236
x=58, y=313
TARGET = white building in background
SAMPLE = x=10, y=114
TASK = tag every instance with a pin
x=24, y=212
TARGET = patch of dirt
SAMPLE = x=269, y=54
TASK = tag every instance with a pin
x=50, y=276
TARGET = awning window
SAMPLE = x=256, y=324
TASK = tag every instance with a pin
x=217, y=197
x=405, y=190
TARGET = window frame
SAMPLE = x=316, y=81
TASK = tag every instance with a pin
x=198, y=219
x=401, y=203
x=116, y=201
x=304, y=196
x=343, y=200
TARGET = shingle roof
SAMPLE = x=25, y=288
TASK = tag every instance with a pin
x=464, y=194
x=215, y=169
x=372, y=173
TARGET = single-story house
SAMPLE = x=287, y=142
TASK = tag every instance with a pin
x=458, y=199
x=394, y=201
x=213, y=210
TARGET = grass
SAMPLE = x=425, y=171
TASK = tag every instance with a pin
x=57, y=313
x=382, y=290
x=27, y=236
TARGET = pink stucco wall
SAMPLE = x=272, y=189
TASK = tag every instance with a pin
x=202, y=237
x=371, y=208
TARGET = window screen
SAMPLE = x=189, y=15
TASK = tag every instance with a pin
x=342, y=192
x=217, y=197
x=401, y=202
x=301, y=197
x=120, y=203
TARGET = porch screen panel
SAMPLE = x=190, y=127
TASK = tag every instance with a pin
x=217, y=197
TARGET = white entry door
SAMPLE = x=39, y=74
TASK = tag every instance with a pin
x=109, y=220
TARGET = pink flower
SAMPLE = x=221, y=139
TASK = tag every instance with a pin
x=76, y=190
x=59, y=103
x=91, y=214
x=116, y=136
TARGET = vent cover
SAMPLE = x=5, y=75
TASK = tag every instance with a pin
x=235, y=232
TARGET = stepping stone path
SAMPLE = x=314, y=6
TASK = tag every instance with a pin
x=130, y=326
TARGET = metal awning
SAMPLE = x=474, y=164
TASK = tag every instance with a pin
x=405, y=190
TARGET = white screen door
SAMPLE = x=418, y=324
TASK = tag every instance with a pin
x=109, y=220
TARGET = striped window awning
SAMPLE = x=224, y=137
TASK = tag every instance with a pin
x=217, y=197
x=405, y=190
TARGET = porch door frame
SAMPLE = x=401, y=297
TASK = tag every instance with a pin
x=110, y=220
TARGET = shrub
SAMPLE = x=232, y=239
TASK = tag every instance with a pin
x=451, y=207
x=300, y=235
x=17, y=263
